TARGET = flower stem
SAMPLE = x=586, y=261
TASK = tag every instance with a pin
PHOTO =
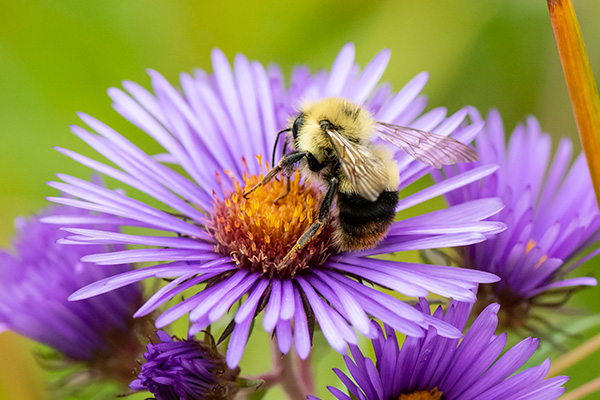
x=305, y=368
x=580, y=82
x=294, y=379
x=575, y=355
x=291, y=383
x=580, y=392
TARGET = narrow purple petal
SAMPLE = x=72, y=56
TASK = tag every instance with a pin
x=273, y=306
x=251, y=302
x=302, y=341
x=171, y=270
x=331, y=330
x=238, y=341
x=232, y=296
x=434, y=242
x=220, y=292
x=169, y=291
x=287, y=300
x=284, y=336
x=369, y=77
x=446, y=186
x=143, y=255
x=104, y=237
x=340, y=71
x=403, y=98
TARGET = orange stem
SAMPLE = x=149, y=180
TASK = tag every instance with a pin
x=575, y=355
x=580, y=82
x=583, y=391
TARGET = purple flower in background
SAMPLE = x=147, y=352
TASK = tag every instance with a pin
x=185, y=370
x=212, y=130
x=36, y=281
x=551, y=214
x=435, y=367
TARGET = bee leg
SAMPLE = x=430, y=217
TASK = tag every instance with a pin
x=286, y=164
x=287, y=191
x=184, y=218
x=275, y=145
x=316, y=227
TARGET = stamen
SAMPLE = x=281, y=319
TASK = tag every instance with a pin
x=530, y=245
x=515, y=308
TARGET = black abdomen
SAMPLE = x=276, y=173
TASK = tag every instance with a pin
x=363, y=223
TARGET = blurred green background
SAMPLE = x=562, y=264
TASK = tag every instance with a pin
x=58, y=57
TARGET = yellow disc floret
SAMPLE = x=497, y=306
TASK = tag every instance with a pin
x=432, y=394
x=258, y=231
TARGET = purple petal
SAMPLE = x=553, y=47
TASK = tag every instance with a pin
x=171, y=270
x=369, y=77
x=284, y=336
x=232, y=296
x=340, y=71
x=302, y=341
x=402, y=99
x=446, y=186
x=287, y=300
x=146, y=255
x=251, y=302
x=238, y=341
x=104, y=237
x=273, y=306
x=330, y=325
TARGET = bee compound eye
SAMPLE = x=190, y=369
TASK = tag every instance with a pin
x=297, y=125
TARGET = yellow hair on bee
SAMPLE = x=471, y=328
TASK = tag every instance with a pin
x=353, y=122
x=387, y=156
x=332, y=143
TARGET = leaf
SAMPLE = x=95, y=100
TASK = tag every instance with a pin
x=258, y=395
x=249, y=383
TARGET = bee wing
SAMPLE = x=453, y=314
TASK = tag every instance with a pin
x=426, y=147
x=365, y=172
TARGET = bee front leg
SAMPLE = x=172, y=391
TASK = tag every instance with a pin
x=286, y=164
x=316, y=226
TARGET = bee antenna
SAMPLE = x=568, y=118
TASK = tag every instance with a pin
x=275, y=145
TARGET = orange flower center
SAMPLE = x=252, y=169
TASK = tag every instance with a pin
x=258, y=232
x=433, y=394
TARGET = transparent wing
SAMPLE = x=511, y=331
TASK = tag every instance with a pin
x=426, y=147
x=366, y=172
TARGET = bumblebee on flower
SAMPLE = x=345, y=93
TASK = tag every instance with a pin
x=232, y=247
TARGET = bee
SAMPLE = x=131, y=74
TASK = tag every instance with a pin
x=333, y=143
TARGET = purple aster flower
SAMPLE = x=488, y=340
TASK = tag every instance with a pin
x=212, y=130
x=36, y=281
x=436, y=367
x=186, y=370
x=551, y=214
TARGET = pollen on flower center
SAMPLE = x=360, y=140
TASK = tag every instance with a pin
x=258, y=232
x=432, y=394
